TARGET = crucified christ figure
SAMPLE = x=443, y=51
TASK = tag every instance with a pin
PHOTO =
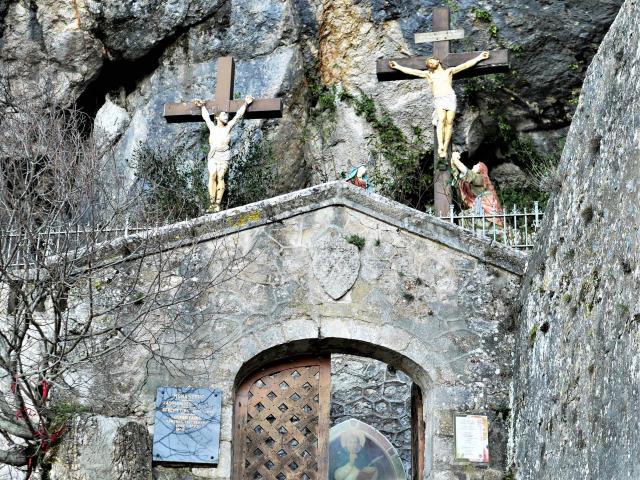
x=219, y=149
x=444, y=97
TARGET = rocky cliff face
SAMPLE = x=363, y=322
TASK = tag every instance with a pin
x=122, y=60
x=577, y=379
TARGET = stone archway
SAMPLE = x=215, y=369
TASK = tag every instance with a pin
x=275, y=365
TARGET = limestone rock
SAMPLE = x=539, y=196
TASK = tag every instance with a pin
x=111, y=121
x=577, y=378
x=151, y=51
x=105, y=448
x=130, y=29
x=336, y=263
x=46, y=53
x=509, y=175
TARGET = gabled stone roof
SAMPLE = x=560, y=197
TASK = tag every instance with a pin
x=338, y=194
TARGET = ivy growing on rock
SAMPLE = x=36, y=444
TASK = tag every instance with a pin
x=408, y=178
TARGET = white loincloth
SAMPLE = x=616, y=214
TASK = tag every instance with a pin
x=217, y=159
x=445, y=102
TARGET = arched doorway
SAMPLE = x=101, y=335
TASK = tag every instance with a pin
x=283, y=416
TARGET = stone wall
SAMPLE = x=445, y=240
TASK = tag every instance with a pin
x=421, y=295
x=577, y=381
x=103, y=447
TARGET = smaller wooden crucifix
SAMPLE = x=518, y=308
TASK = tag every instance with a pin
x=224, y=100
x=461, y=64
x=224, y=107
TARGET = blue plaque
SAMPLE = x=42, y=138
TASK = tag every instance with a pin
x=187, y=428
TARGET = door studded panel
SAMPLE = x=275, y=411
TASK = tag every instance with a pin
x=282, y=423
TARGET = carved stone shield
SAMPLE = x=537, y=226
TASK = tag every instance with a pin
x=336, y=263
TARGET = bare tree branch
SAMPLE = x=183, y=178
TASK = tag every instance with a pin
x=80, y=285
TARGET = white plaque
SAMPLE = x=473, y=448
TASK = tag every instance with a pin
x=439, y=36
x=472, y=438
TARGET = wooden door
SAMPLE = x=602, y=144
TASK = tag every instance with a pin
x=282, y=422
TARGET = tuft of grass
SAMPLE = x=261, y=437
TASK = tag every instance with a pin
x=60, y=413
x=356, y=240
x=481, y=15
x=533, y=333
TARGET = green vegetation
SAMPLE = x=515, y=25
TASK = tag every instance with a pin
x=356, y=240
x=486, y=87
x=60, y=413
x=323, y=98
x=409, y=179
x=173, y=184
x=252, y=177
x=453, y=5
x=575, y=96
x=493, y=33
x=481, y=15
x=533, y=333
x=323, y=114
x=540, y=168
x=516, y=49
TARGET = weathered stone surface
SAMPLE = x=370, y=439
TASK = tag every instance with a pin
x=431, y=301
x=46, y=53
x=111, y=121
x=147, y=52
x=130, y=29
x=336, y=263
x=105, y=448
x=509, y=175
x=577, y=379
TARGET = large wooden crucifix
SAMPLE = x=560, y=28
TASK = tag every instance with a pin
x=224, y=100
x=441, y=35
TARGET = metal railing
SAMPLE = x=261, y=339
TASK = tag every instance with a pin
x=517, y=228
x=26, y=249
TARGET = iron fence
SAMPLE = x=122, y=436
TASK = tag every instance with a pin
x=26, y=249
x=515, y=228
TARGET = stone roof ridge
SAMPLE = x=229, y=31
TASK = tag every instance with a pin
x=336, y=193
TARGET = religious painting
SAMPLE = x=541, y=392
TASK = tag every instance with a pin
x=358, y=451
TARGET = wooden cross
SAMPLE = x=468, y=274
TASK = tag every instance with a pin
x=441, y=35
x=224, y=101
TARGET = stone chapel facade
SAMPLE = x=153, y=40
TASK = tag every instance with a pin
x=330, y=270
